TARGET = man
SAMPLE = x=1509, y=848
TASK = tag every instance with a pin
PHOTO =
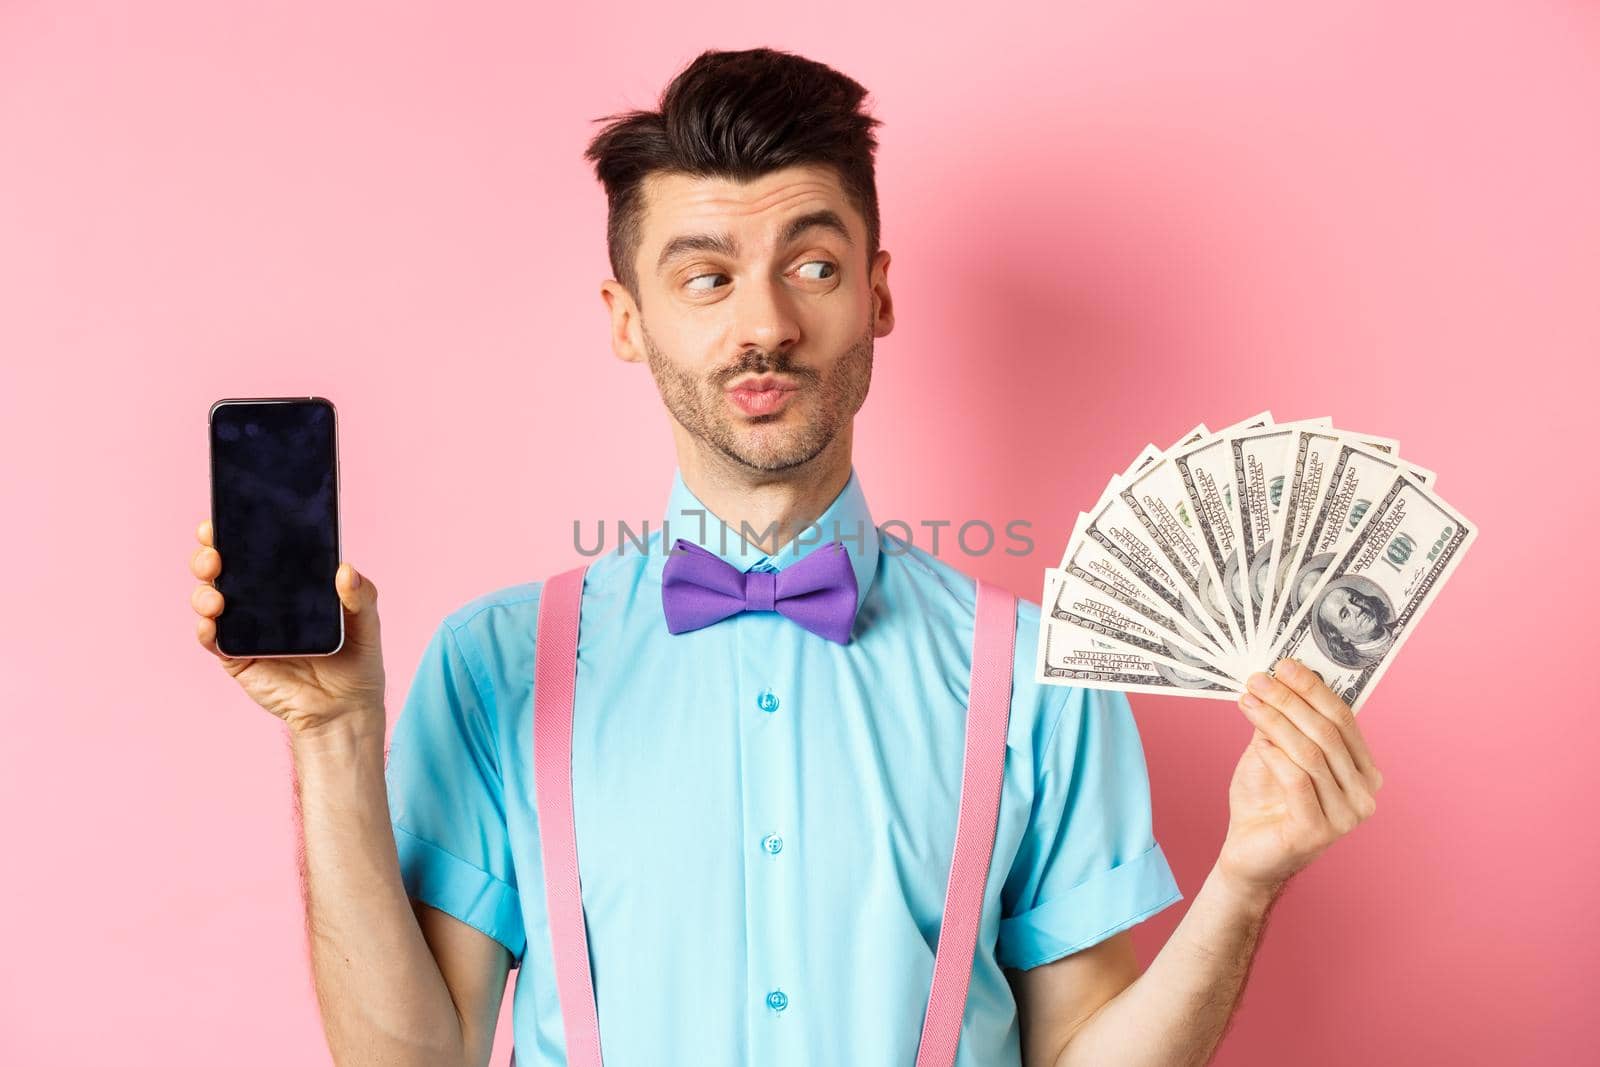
x=764, y=812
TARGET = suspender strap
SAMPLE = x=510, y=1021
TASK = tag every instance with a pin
x=554, y=680
x=982, y=770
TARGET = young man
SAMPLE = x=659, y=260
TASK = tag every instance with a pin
x=765, y=807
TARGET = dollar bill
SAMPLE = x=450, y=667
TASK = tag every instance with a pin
x=1305, y=468
x=1124, y=536
x=1153, y=507
x=1207, y=473
x=1369, y=599
x=1169, y=566
x=1317, y=459
x=1256, y=460
x=1115, y=610
x=1202, y=472
x=1199, y=562
x=1089, y=560
x=1071, y=656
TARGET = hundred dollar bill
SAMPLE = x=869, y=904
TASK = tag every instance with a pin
x=1084, y=632
x=1147, y=455
x=1122, y=536
x=1305, y=466
x=1154, y=539
x=1068, y=655
x=1255, y=461
x=1206, y=471
x=1310, y=465
x=1150, y=453
x=1371, y=597
x=1115, y=611
x=1201, y=473
x=1156, y=496
x=1110, y=491
x=1090, y=561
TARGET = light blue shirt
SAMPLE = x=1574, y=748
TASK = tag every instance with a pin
x=765, y=818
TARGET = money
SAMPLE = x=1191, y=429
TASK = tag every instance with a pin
x=1357, y=475
x=1231, y=549
x=1223, y=494
x=1065, y=658
x=1307, y=464
x=1370, y=598
x=1118, y=615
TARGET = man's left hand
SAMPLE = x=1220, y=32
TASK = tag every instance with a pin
x=1306, y=779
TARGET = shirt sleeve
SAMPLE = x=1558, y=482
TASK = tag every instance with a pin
x=1088, y=865
x=446, y=803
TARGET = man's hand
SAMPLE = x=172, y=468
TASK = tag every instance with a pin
x=1305, y=780
x=309, y=693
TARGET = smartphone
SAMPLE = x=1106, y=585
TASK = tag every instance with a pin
x=275, y=521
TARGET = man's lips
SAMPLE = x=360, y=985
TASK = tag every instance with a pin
x=763, y=395
x=761, y=382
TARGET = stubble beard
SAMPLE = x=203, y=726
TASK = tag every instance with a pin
x=700, y=407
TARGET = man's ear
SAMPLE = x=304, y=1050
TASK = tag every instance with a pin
x=624, y=314
x=882, y=302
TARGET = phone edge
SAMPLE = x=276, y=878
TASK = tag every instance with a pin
x=338, y=507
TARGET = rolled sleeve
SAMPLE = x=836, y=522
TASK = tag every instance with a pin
x=453, y=885
x=446, y=802
x=1088, y=865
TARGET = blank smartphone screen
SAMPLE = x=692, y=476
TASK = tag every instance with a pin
x=275, y=522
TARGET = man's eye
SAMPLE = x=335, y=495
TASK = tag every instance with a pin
x=703, y=288
x=699, y=284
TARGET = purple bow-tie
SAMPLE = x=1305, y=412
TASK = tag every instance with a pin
x=698, y=588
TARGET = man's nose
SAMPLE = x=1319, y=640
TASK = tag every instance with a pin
x=767, y=316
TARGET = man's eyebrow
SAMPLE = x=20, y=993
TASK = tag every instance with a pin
x=826, y=219
x=722, y=244
x=683, y=244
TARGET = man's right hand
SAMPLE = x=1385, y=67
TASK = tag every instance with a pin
x=309, y=693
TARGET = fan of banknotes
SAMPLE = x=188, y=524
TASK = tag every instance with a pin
x=1215, y=558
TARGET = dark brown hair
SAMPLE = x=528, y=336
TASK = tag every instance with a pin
x=735, y=115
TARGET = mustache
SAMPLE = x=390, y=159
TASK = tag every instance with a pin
x=758, y=362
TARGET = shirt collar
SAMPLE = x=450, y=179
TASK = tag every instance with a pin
x=846, y=519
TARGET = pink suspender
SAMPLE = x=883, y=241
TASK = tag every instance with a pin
x=982, y=768
x=555, y=673
x=983, y=764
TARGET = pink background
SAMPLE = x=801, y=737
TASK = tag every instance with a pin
x=1107, y=224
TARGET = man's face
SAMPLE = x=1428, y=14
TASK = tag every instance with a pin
x=757, y=311
x=1348, y=612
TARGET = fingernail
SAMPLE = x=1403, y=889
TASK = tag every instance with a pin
x=355, y=578
x=1250, y=701
x=1259, y=683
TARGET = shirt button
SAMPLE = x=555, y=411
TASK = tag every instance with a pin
x=772, y=843
x=767, y=700
x=777, y=1000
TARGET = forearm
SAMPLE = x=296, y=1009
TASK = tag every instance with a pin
x=1174, y=1014
x=382, y=997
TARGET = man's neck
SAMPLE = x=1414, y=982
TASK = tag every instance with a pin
x=768, y=508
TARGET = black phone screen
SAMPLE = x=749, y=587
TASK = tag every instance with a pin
x=275, y=522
